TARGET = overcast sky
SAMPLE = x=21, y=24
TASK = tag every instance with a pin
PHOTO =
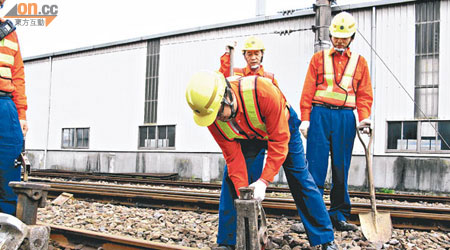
x=81, y=23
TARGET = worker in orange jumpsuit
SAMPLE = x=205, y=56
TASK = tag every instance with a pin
x=253, y=52
x=13, y=106
x=337, y=82
x=242, y=109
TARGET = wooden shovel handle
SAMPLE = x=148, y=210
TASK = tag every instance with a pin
x=368, y=150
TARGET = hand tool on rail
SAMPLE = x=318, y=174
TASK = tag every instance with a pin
x=251, y=231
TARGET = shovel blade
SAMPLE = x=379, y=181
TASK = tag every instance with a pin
x=376, y=227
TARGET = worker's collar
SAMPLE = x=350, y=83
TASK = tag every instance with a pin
x=249, y=71
x=347, y=52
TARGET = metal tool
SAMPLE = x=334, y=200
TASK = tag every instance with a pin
x=251, y=222
x=376, y=226
x=23, y=161
x=21, y=232
x=231, y=51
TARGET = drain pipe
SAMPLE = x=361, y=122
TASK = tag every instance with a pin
x=49, y=111
x=373, y=40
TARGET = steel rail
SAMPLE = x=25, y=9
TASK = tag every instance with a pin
x=71, y=238
x=154, y=180
x=417, y=217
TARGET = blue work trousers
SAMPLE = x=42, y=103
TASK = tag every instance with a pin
x=332, y=130
x=11, y=140
x=308, y=199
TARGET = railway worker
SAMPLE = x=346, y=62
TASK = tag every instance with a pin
x=242, y=109
x=253, y=53
x=336, y=83
x=13, y=106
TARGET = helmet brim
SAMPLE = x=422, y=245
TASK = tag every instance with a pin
x=341, y=35
x=206, y=120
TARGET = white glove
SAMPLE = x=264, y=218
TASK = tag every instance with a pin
x=260, y=190
x=304, y=126
x=230, y=46
x=365, y=125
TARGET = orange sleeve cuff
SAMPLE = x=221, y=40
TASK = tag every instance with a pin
x=22, y=114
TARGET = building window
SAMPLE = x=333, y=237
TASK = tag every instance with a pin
x=418, y=136
x=427, y=59
x=151, y=82
x=75, y=138
x=157, y=137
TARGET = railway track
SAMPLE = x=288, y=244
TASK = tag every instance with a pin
x=70, y=238
x=415, y=217
x=170, y=180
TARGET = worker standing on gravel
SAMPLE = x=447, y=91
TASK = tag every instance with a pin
x=253, y=52
x=336, y=83
x=13, y=106
x=243, y=109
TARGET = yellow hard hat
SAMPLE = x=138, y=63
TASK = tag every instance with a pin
x=204, y=94
x=253, y=43
x=343, y=25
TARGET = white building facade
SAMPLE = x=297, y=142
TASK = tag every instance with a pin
x=120, y=107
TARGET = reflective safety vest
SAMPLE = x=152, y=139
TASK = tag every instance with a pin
x=7, y=51
x=240, y=72
x=247, y=92
x=334, y=93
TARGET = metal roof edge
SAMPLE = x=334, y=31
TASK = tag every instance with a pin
x=303, y=12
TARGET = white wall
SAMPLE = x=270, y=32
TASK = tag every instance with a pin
x=102, y=90
x=37, y=75
x=286, y=56
x=395, y=44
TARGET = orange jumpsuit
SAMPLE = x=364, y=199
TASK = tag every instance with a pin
x=272, y=106
x=333, y=127
x=12, y=77
x=11, y=110
x=361, y=83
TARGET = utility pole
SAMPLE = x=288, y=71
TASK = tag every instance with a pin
x=323, y=20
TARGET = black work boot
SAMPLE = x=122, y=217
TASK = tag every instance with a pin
x=345, y=226
x=330, y=246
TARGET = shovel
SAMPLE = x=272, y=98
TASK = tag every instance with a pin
x=376, y=226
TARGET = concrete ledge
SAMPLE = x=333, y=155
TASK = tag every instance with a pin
x=400, y=173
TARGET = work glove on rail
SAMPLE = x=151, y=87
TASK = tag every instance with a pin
x=260, y=190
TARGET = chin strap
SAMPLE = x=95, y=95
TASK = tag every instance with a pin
x=254, y=67
x=231, y=103
x=340, y=50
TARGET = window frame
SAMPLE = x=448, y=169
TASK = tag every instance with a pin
x=152, y=81
x=157, y=132
x=418, y=149
x=427, y=48
x=74, y=137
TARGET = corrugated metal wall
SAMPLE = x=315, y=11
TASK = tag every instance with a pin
x=101, y=89
x=104, y=89
x=395, y=44
x=181, y=56
x=37, y=78
x=444, y=62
